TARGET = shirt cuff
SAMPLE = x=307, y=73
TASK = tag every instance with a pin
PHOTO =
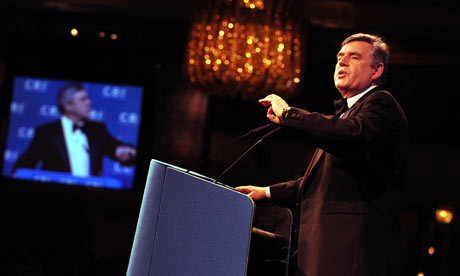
x=267, y=192
x=284, y=113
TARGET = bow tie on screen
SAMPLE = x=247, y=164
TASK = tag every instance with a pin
x=341, y=106
x=76, y=126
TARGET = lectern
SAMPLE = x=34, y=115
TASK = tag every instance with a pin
x=189, y=225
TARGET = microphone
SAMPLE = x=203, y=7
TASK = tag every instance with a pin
x=268, y=135
x=251, y=132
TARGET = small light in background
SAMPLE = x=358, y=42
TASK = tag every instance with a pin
x=114, y=36
x=101, y=34
x=431, y=251
x=444, y=216
x=74, y=32
x=420, y=274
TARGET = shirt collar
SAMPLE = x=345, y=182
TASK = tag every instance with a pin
x=352, y=100
x=68, y=124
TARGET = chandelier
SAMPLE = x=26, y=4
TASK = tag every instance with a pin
x=247, y=47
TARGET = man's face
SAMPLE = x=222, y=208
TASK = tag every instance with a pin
x=354, y=71
x=80, y=106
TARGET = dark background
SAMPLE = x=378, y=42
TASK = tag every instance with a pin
x=60, y=230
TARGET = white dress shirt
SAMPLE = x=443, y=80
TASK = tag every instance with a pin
x=352, y=100
x=77, y=148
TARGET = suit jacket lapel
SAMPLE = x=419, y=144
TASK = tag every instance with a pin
x=61, y=146
x=314, y=160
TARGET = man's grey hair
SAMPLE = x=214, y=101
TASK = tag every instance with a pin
x=66, y=93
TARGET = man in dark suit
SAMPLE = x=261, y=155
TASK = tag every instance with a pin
x=348, y=199
x=73, y=143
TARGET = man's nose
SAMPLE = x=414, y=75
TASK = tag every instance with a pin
x=343, y=61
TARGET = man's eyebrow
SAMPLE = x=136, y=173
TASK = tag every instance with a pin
x=349, y=53
x=355, y=54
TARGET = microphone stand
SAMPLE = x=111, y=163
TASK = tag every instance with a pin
x=253, y=131
x=248, y=150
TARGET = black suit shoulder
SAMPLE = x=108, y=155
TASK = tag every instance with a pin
x=54, y=126
x=98, y=131
x=47, y=146
x=95, y=124
x=388, y=107
x=384, y=97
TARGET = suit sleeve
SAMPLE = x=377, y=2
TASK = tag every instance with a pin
x=33, y=154
x=285, y=193
x=379, y=120
x=109, y=145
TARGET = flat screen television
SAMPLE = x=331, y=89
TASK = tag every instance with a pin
x=33, y=104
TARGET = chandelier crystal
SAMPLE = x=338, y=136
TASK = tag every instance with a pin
x=250, y=47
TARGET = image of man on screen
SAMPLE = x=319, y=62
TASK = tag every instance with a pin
x=73, y=143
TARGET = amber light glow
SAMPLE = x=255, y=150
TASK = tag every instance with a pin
x=249, y=46
x=431, y=251
x=73, y=32
x=258, y=4
x=444, y=216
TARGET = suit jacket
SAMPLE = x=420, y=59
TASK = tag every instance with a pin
x=348, y=200
x=48, y=147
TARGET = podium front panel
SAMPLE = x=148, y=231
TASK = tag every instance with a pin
x=192, y=227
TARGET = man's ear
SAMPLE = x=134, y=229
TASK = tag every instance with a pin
x=378, y=71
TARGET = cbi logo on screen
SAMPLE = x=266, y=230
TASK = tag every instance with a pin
x=26, y=133
x=34, y=85
x=97, y=115
x=128, y=118
x=17, y=108
x=48, y=111
x=10, y=156
x=113, y=92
